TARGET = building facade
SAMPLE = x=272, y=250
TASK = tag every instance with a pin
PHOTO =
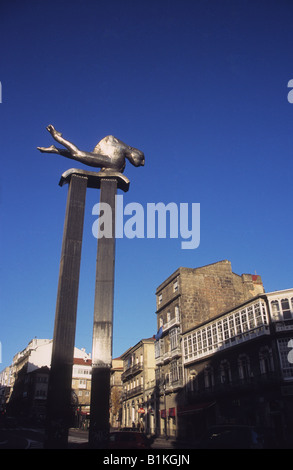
x=236, y=369
x=186, y=299
x=138, y=378
x=81, y=389
x=116, y=393
x=25, y=381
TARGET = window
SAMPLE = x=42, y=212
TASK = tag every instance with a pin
x=208, y=377
x=234, y=328
x=231, y=326
x=284, y=349
x=175, y=286
x=209, y=338
x=266, y=360
x=226, y=329
x=225, y=372
x=175, y=371
x=258, y=316
x=286, y=309
x=204, y=340
x=238, y=324
x=160, y=298
x=281, y=310
x=275, y=310
x=244, y=367
x=244, y=320
x=173, y=338
x=157, y=349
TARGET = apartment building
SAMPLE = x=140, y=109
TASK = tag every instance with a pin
x=81, y=389
x=237, y=369
x=25, y=381
x=185, y=299
x=116, y=393
x=138, y=381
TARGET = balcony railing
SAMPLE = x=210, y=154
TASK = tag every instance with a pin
x=132, y=370
x=249, y=383
x=170, y=386
x=173, y=322
x=168, y=355
x=284, y=326
x=132, y=392
x=176, y=352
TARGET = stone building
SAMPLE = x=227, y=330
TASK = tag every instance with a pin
x=116, y=393
x=184, y=300
x=27, y=380
x=81, y=389
x=237, y=369
x=138, y=386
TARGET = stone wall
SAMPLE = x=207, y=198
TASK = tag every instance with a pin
x=205, y=292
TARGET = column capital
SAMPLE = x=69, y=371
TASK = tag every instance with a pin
x=95, y=178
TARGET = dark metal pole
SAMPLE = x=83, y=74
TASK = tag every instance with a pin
x=103, y=323
x=59, y=411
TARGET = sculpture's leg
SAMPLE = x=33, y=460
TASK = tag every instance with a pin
x=58, y=137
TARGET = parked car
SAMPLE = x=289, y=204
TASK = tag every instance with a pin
x=130, y=429
x=128, y=440
x=233, y=437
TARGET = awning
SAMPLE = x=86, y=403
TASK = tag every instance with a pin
x=184, y=410
x=172, y=412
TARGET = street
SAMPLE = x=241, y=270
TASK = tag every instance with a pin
x=29, y=438
x=21, y=438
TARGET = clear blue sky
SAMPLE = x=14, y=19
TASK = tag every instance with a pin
x=201, y=87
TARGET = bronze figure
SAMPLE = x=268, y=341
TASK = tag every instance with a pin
x=109, y=154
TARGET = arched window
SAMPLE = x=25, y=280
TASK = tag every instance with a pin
x=286, y=309
x=244, y=367
x=225, y=372
x=208, y=377
x=275, y=310
x=266, y=360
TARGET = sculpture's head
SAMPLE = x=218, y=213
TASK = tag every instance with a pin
x=135, y=156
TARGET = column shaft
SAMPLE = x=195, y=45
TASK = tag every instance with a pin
x=59, y=410
x=103, y=325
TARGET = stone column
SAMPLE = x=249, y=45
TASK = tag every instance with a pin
x=59, y=409
x=103, y=324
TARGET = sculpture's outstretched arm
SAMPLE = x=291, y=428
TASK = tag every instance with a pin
x=53, y=149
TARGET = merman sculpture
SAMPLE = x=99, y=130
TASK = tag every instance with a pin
x=109, y=154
